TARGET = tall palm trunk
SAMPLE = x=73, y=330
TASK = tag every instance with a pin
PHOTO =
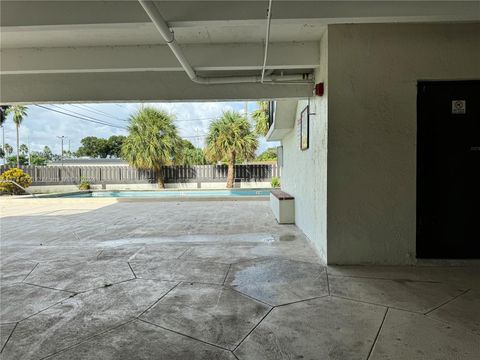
x=160, y=180
x=231, y=171
x=18, y=140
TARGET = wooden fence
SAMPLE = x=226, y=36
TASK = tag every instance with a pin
x=67, y=175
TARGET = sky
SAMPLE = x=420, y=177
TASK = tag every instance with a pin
x=45, y=123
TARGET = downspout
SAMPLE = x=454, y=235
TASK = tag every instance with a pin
x=169, y=37
x=267, y=39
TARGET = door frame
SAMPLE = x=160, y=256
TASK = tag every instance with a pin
x=420, y=131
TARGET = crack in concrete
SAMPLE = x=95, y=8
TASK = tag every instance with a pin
x=87, y=339
x=131, y=269
x=25, y=278
x=102, y=286
x=446, y=302
x=48, y=307
x=250, y=297
x=156, y=302
x=376, y=304
x=303, y=300
x=400, y=280
x=226, y=274
x=183, y=253
x=135, y=254
x=328, y=281
x=48, y=287
x=9, y=336
x=188, y=336
x=377, y=335
x=253, y=329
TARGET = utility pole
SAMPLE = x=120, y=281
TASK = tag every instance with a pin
x=28, y=148
x=3, y=145
x=61, y=138
x=197, y=138
x=246, y=110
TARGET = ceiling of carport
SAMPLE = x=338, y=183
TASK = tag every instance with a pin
x=75, y=40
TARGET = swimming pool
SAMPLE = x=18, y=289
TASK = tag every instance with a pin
x=170, y=193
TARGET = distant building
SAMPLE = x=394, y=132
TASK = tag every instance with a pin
x=89, y=162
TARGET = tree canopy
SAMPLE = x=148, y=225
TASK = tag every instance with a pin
x=191, y=155
x=152, y=142
x=229, y=137
x=101, y=148
x=260, y=116
x=8, y=149
x=3, y=113
x=18, y=112
x=268, y=155
x=47, y=153
x=23, y=149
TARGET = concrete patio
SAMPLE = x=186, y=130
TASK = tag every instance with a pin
x=101, y=279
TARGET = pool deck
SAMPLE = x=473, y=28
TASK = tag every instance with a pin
x=99, y=278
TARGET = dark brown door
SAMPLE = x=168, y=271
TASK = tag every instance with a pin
x=448, y=169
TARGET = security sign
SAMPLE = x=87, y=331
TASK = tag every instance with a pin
x=459, y=107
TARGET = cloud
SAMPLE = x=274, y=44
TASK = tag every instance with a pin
x=41, y=127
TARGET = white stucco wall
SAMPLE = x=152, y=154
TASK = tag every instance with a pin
x=304, y=173
x=373, y=73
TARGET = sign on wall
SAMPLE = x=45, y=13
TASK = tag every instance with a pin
x=459, y=107
x=304, y=128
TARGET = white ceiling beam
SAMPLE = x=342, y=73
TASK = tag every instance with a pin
x=135, y=87
x=193, y=13
x=214, y=57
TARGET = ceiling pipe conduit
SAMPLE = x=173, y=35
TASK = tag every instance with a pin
x=267, y=39
x=169, y=37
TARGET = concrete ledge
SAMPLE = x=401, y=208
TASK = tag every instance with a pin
x=48, y=189
x=283, y=207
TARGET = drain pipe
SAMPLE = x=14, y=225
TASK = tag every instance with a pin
x=169, y=36
x=267, y=39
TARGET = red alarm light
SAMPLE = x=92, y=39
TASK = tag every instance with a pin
x=319, y=89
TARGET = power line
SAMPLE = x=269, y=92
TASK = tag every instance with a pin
x=95, y=111
x=82, y=117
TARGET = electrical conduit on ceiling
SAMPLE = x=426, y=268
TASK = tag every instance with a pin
x=168, y=35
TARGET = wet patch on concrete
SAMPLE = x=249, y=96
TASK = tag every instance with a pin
x=279, y=281
x=180, y=270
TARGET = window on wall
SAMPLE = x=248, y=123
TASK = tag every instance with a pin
x=304, y=128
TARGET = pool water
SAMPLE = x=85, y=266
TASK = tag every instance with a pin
x=168, y=193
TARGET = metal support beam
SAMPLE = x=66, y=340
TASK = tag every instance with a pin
x=169, y=37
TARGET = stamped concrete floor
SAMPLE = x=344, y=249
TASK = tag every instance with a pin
x=100, y=279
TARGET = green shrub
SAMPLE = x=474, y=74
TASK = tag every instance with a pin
x=19, y=177
x=275, y=182
x=84, y=184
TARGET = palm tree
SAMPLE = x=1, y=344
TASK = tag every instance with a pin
x=19, y=112
x=152, y=142
x=8, y=149
x=23, y=149
x=260, y=116
x=3, y=117
x=3, y=113
x=229, y=137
